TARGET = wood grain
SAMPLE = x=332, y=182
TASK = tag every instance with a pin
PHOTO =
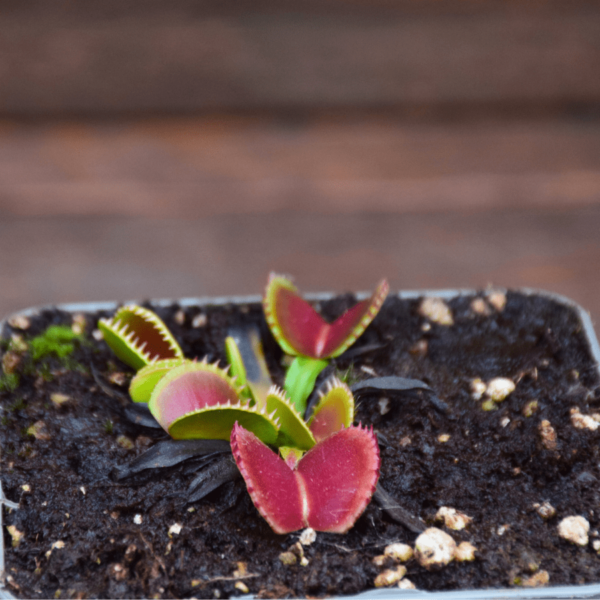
x=198, y=167
x=79, y=58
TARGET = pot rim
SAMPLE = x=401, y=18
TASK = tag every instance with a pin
x=546, y=593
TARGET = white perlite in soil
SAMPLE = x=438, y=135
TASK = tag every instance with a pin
x=574, y=529
x=435, y=548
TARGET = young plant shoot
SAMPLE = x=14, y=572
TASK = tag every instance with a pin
x=303, y=333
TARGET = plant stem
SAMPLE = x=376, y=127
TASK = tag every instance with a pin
x=300, y=379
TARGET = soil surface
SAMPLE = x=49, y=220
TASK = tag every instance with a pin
x=87, y=535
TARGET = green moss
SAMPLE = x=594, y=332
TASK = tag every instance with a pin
x=57, y=340
x=108, y=426
x=9, y=382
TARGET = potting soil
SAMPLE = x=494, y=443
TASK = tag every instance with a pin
x=81, y=533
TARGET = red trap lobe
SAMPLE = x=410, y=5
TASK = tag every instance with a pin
x=328, y=489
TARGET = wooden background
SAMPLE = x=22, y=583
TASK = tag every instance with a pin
x=188, y=148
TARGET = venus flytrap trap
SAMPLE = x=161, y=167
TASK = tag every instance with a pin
x=197, y=400
x=138, y=337
x=304, y=334
x=327, y=489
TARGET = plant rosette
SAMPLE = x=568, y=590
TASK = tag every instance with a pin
x=197, y=400
x=502, y=471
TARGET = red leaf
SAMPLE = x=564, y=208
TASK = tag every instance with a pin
x=328, y=490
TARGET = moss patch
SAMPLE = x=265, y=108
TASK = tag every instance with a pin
x=57, y=340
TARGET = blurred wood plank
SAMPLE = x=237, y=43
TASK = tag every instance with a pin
x=86, y=258
x=127, y=57
x=197, y=167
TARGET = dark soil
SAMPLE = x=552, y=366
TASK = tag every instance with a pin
x=491, y=470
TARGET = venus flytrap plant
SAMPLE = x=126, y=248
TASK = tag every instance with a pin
x=328, y=487
x=303, y=333
x=197, y=400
